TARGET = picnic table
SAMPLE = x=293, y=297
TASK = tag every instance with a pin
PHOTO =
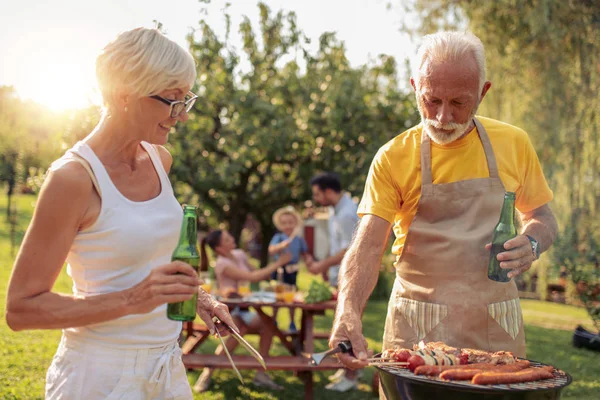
x=294, y=342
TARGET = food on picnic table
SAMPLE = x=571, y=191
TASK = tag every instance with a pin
x=481, y=367
x=231, y=293
x=318, y=292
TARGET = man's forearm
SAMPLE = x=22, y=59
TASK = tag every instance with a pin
x=541, y=225
x=360, y=267
x=359, y=274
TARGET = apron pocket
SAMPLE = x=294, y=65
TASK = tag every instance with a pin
x=508, y=315
x=421, y=317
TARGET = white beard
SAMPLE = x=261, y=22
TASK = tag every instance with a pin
x=431, y=127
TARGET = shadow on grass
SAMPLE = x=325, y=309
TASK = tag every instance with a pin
x=552, y=346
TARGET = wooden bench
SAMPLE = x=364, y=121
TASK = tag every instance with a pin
x=280, y=363
x=196, y=334
x=298, y=365
x=316, y=335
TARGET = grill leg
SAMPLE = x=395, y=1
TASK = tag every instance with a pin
x=381, y=392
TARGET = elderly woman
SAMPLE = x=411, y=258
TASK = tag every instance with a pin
x=108, y=209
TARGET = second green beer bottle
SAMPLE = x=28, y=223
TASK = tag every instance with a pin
x=505, y=230
x=186, y=251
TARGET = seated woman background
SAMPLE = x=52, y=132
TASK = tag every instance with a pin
x=232, y=267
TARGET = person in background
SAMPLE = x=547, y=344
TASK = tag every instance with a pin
x=327, y=191
x=107, y=208
x=231, y=268
x=289, y=223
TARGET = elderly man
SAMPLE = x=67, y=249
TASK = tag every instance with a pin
x=441, y=185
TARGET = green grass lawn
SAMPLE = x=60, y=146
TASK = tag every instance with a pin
x=25, y=356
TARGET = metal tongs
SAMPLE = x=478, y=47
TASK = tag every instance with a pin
x=243, y=342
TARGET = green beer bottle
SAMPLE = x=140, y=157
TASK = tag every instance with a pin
x=186, y=251
x=505, y=230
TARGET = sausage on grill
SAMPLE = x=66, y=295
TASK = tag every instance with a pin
x=435, y=370
x=526, y=375
x=466, y=374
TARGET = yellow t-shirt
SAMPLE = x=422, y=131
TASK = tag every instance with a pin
x=393, y=186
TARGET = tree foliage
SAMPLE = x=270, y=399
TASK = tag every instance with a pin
x=32, y=136
x=272, y=114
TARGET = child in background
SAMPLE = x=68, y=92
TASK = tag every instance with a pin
x=289, y=222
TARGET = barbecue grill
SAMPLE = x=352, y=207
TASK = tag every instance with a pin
x=401, y=384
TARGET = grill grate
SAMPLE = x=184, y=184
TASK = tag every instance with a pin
x=560, y=380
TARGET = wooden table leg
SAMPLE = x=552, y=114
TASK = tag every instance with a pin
x=192, y=342
x=307, y=379
x=306, y=335
x=272, y=326
x=307, y=332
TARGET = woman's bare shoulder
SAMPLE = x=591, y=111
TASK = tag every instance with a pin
x=67, y=173
x=67, y=187
x=165, y=156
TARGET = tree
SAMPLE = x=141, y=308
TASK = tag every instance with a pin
x=32, y=136
x=256, y=138
x=11, y=128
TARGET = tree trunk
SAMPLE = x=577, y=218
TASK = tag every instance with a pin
x=9, y=195
x=267, y=230
x=236, y=224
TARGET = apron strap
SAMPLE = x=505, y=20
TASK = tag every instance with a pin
x=426, y=175
x=487, y=148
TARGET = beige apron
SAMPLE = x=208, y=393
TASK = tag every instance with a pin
x=442, y=292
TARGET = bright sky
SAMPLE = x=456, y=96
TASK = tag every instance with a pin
x=49, y=47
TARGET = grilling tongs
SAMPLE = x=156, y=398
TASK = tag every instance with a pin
x=243, y=342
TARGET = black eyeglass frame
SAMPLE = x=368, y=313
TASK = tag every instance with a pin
x=177, y=106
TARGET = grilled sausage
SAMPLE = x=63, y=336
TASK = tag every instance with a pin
x=466, y=374
x=526, y=375
x=434, y=370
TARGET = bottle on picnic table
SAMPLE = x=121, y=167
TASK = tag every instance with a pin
x=505, y=230
x=186, y=251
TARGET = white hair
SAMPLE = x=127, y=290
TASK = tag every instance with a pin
x=450, y=46
x=143, y=62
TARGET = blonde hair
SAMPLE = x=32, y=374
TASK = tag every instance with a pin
x=143, y=62
x=450, y=46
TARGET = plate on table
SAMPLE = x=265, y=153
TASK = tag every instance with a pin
x=230, y=299
x=261, y=297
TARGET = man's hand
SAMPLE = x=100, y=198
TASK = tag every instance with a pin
x=308, y=259
x=315, y=267
x=349, y=327
x=518, y=255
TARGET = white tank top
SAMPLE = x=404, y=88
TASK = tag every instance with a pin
x=119, y=250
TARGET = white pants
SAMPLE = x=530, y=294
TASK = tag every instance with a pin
x=91, y=371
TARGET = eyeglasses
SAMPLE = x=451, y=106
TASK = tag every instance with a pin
x=177, y=106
